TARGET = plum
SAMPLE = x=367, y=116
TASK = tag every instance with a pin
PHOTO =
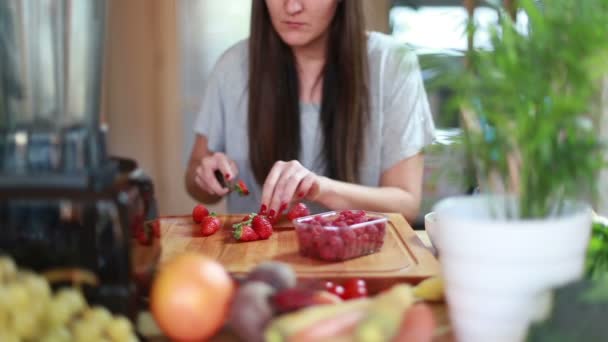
x=251, y=311
x=276, y=274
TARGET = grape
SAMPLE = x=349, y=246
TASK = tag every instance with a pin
x=58, y=314
x=23, y=324
x=101, y=315
x=63, y=307
x=8, y=336
x=71, y=298
x=58, y=334
x=86, y=330
x=17, y=298
x=36, y=285
x=7, y=269
x=29, y=311
x=119, y=330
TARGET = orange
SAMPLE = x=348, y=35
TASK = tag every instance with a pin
x=190, y=297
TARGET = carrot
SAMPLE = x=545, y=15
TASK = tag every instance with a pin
x=418, y=325
x=330, y=328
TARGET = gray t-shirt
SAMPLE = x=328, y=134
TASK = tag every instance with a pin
x=401, y=124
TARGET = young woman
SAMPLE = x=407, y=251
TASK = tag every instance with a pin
x=311, y=107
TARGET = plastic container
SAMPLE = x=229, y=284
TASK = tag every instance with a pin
x=337, y=236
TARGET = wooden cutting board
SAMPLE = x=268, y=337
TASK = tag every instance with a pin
x=402, y=257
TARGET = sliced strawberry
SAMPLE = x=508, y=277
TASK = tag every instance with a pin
x=199, y=212
x=210, y=225
x=298, y=210
x=262, y=226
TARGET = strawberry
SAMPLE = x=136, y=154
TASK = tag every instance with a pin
x=241, y=188
x=210, y=225
x=199, y=212
x=144, y=237
x=244, y=232
x=156, y=228
x=247, y=218
x=262, y=226
x=298, y=210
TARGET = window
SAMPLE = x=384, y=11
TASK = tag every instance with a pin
x=443, y=27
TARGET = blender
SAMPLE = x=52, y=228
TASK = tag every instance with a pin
x=64, y=202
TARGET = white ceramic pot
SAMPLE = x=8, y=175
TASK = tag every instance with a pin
x=497, y=271
x=430, y=225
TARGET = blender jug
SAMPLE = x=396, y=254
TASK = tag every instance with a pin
x=51, y=54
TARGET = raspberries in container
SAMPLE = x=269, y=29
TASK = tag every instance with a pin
x=337, y=236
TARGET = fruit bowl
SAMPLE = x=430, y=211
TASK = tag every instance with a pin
x=338, y=236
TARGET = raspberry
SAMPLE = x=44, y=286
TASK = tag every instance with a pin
x=327, y=253
x=371, y=230
x=359, y=219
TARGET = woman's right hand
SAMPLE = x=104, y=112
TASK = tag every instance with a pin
x=205, y=173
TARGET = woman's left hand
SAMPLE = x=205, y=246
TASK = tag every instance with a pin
x=287, y=182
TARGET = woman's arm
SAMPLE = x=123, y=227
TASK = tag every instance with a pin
x=399, y=191
x=200, y=179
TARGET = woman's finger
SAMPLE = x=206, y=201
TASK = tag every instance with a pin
x=289, y=188
x=235, y=168
x=212, y=183
x=306, y=186
x=286, y=186
x=225, y=167
x=201, y=184
x=270, y=183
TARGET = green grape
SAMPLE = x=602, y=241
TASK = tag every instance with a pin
x=36, y=285
x=57, y=334
x=7, y=269
x=86, y=330
x=72, y=298
x=17, y=297
x=4, y=308
x=58, y=313
x=119, y=329
x=99, y=314
x=4, y=320
x=8, y=336
x=24, y=325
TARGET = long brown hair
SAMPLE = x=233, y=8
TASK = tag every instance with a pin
x=274, y=100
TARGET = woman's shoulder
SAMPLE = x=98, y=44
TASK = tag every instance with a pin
x=233, y=61
x=385, y=48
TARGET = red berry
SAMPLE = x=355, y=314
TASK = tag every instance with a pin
x=262, y=226
x=329, y=286
x=338, y=290
x=298, y=210
x=144, y=238
x=241, y=188
x=199, y=212
x=156, y=229
x=244, y=232
x=355, y=288
x=210, y=225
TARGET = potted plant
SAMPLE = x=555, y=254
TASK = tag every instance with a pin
x=529, y=120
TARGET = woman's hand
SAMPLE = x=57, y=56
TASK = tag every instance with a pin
x=205, y=173
x=287, y=182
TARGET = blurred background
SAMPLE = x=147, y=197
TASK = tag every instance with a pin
x=161, y=51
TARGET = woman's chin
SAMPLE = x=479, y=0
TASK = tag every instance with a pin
x=297, y=40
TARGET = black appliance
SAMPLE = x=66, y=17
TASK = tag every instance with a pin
x=64, y=202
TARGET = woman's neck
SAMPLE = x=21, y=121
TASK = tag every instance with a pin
x=310, y=62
